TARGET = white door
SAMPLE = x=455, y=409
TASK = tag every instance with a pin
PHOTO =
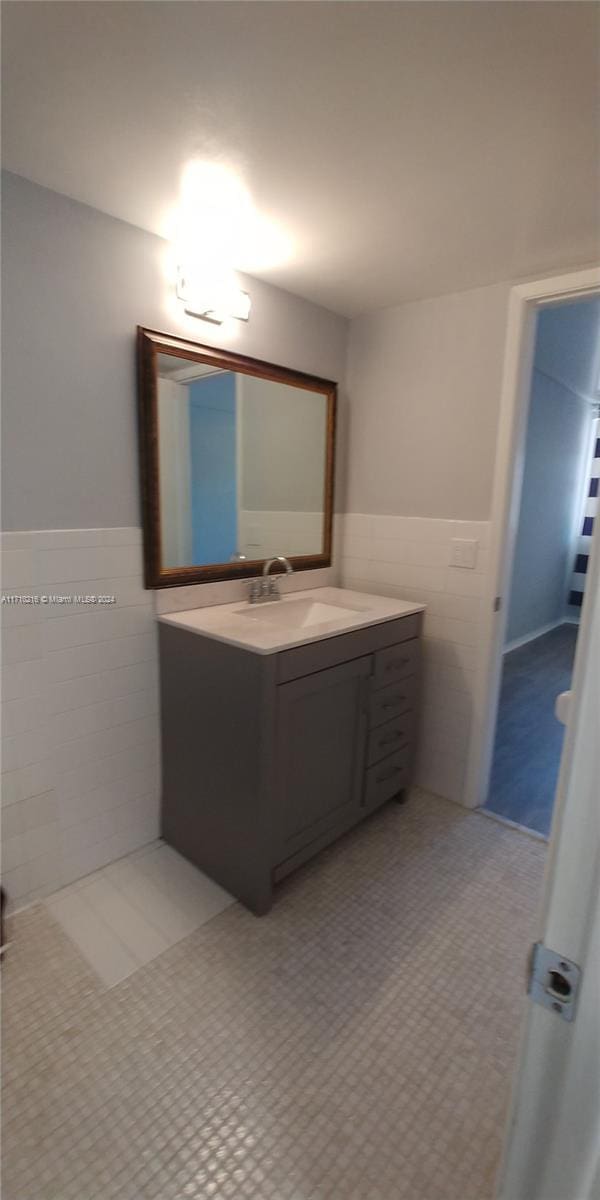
x=553, y=1141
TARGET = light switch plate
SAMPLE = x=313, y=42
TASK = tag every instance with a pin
x=464, y=552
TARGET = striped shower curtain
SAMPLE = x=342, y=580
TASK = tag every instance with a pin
x=587, y=524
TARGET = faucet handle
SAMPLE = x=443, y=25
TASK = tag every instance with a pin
x=255, y=590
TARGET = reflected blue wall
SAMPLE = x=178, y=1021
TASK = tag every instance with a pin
x=213, y=468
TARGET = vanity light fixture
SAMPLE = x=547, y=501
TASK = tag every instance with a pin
x=212, y=300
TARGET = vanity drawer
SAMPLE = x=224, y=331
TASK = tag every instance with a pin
x=395, y=662
x=392, y=701
x=328, y=652
x=386, y=778
x=392, y=736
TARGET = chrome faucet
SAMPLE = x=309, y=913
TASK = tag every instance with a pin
x=267, y=588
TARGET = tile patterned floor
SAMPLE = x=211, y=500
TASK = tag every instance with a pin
x=355, y=1044
x=529, y=738
x=128, y=913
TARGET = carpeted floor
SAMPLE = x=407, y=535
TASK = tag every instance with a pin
x=355, y=1044
x=528, y=737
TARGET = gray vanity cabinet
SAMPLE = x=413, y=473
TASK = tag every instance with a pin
x=321, y=738
x=267, y=758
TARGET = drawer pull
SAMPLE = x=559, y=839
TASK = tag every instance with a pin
x=393, y=703
x=389, y=774
x=391, y=737
x=397, y=663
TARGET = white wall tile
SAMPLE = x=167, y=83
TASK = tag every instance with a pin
x=16, y=883
x=104, y=685
x=22, y=643
x=19, y=607
x=13, y=820
x=70, y=539
x=45, y=874
x=19, y=568
x=98, y=562
x=409, y=557
x=13, y=852
x=445, y=653
x=25, y=749
x=450, y=630
x=21, y=680
x=463, y=582
x=442, y=773
x=27, y=539
x=126, y=590
x=89, y=718
x=353, y=546
x=99, y=625
x=89, y=748
x=412, y=553
x=97, y=656
x=80, y=744
x=41, y=839
x=356, y=524
x=24, y=782
x=41, y=809
x=107, y=770
x=18, y=716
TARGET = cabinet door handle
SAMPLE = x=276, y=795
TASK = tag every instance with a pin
x=391, y=737
x=394, y=702
x=389, y=775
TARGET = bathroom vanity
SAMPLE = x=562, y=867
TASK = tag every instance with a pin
x=283, y=725
x=285, y=720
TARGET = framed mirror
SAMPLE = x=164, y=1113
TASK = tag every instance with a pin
x=237, y=463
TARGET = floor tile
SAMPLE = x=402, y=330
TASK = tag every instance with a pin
x=146, y=901
x=353, y=1044
x=100, y=945
x=141, y=938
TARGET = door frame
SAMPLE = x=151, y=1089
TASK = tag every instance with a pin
x=552, y=1142
x=524, y=302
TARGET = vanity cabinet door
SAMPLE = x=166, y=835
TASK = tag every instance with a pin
x=321, y=735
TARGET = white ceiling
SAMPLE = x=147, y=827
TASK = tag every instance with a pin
x=407, y=149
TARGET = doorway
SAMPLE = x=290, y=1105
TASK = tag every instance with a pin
x=557, y=504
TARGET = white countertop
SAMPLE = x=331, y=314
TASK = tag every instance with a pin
x=249, y=626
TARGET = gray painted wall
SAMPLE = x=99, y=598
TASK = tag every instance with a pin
x=424, y=385
x=558, y=431
x=75, y=285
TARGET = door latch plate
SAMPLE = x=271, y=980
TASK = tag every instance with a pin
x=554, y=981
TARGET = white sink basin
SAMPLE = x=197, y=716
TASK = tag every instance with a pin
x=295, y=620
x=296, y=614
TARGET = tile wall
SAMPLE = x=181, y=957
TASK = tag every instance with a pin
x=80, y=745
x=80, y=734
x=80, y=727
x=409, y=557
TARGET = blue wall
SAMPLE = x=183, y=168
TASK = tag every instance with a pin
x=213, y=468
x=558, y=431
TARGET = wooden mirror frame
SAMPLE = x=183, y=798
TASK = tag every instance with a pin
x=150, y=343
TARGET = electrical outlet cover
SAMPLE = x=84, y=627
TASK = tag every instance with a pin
x=464, y=552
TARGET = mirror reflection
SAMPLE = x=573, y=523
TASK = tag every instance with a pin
x=242, y=465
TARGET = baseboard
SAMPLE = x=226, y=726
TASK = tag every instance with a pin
x=532, y=833
x=535, y=633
